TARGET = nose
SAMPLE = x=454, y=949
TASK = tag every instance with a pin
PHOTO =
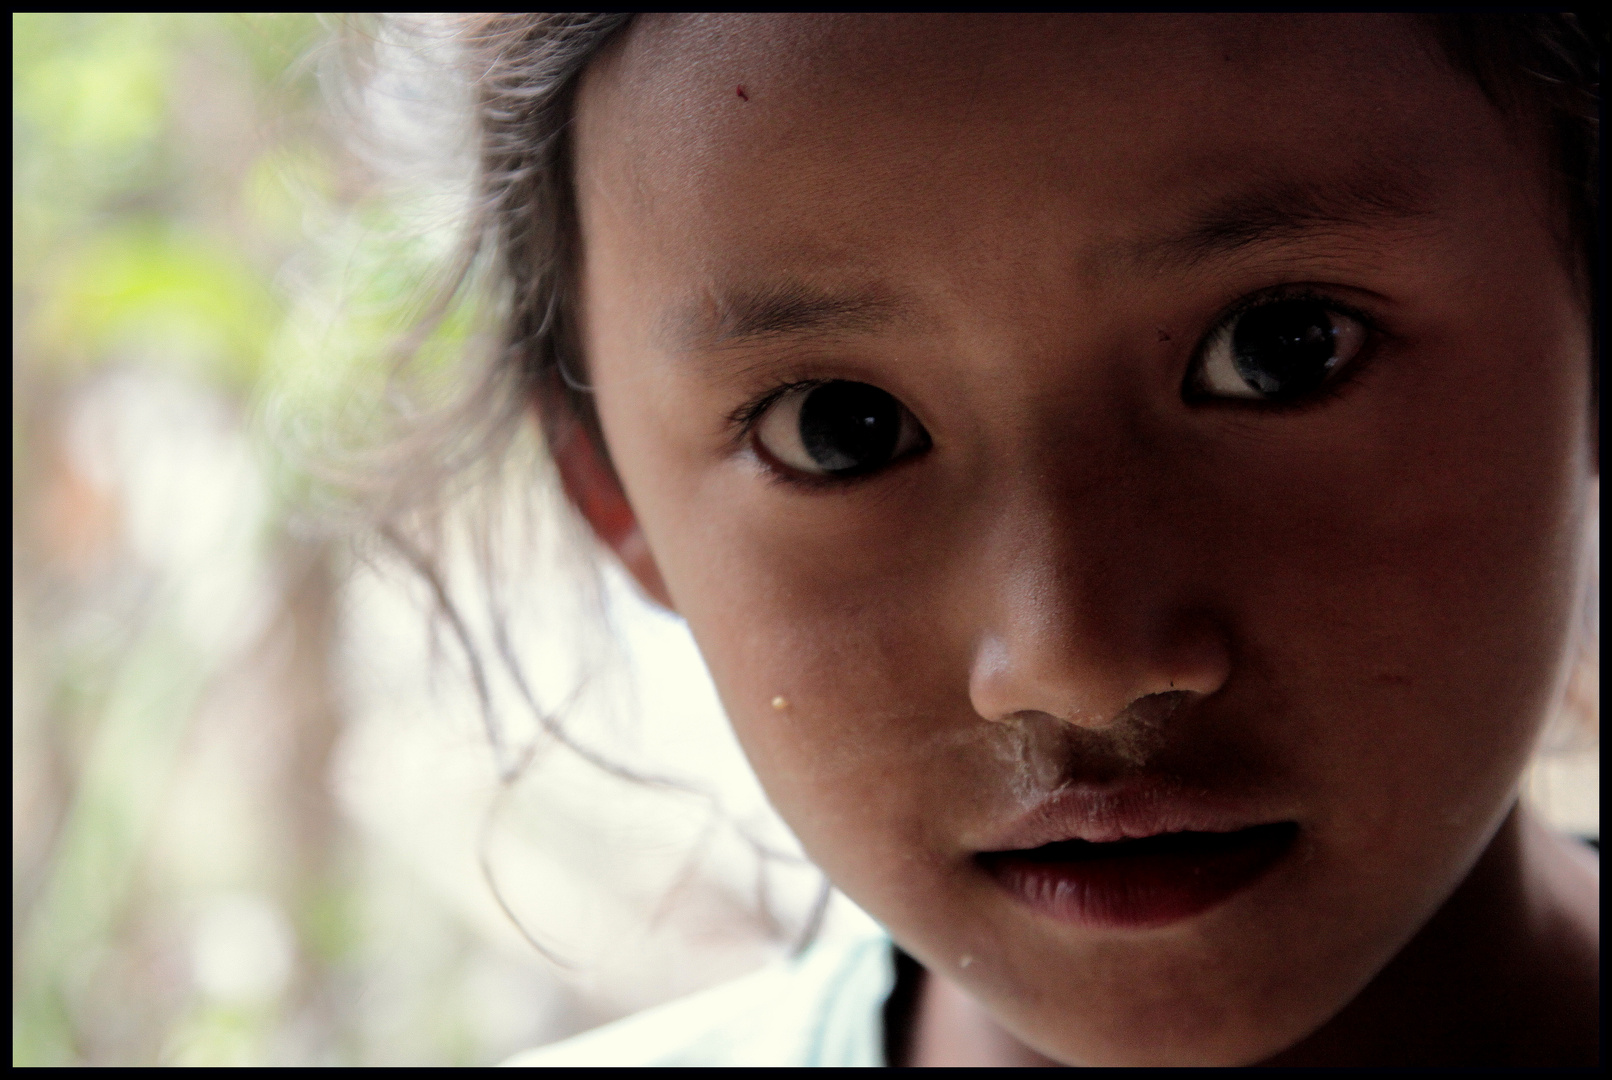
x=1069, y=634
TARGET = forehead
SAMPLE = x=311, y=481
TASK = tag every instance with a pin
x=737, y=143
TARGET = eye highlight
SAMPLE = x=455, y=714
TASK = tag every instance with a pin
x=1282, y=350
x=837, y=429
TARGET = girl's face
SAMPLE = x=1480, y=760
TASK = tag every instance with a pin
x=1094, y=428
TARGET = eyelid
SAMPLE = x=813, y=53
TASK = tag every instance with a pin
x=1281, y=293
x=747, y=415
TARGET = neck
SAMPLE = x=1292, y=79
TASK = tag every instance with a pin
x=1505, y=973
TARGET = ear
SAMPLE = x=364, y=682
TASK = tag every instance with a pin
x=591, y=484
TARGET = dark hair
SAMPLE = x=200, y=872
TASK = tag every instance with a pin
x=1545, y=68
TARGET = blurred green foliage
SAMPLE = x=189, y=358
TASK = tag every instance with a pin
x=116, y=241
x=182, y=198
x=183, y=208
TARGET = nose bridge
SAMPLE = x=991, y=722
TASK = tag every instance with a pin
x=1059, y=620
x=1085, y=600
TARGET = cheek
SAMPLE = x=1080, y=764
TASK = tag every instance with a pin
x=842, y=624
x=827, y=600
x=1404, y=584
x=849, y=613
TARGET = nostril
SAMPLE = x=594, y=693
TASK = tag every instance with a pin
x=1153, y=709
x=1146, y=712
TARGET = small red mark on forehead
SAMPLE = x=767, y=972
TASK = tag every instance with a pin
x=740, y=91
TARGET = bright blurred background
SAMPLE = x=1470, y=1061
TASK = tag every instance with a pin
x=256, y=816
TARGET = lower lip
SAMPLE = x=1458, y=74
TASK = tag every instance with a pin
x=1135, y=884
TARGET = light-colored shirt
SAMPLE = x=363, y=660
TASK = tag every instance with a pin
x=824, y=1007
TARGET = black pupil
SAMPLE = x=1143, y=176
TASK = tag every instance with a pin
x=1284, y=350
x=849, y=427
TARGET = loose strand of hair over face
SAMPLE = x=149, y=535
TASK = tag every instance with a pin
x=513, y=260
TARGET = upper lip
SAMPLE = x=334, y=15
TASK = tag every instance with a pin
x=1130, y=810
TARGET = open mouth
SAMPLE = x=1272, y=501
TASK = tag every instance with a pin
x=1146, y=882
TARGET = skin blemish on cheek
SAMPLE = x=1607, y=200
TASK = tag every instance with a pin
x=742, y=95
x=780, y=703
x=965, y=961
x=1164, y=335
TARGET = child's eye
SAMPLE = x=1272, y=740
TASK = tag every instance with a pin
x=1283, y=350
x=838, y=429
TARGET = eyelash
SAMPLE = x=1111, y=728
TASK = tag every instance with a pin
x=744, y=418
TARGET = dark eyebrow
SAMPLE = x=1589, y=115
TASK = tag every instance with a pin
x=1270, y=212
x=738, y=317
x=1273, y=212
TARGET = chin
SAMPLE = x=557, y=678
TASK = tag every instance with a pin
x=1164, y=1042
x=1168, y=1007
